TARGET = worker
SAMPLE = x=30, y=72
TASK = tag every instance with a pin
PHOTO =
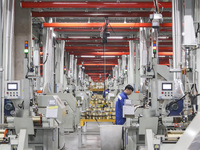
x=119, y=104
x=105, y=92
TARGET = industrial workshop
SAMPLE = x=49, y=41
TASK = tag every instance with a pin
x=99, y=74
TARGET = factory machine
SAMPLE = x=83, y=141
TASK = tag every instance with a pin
x=164, y=114
x=38, y=125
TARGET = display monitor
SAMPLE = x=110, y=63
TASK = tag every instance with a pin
x=12, y=86
x=167, y=86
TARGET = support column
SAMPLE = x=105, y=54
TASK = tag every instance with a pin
x=1, y=59
x=48, y=58
x=62, y=53
x=23, y=32
x=143, y=52
x=177, y=35
x=131, y=73
x=197, y=18
x=137, y=69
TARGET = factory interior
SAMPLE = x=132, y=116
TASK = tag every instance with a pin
x=99, y=75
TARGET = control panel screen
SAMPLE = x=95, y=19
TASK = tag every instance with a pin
x=12, y=86
x=167, y=86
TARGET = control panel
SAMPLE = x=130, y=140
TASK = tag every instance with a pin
x=165, y=89
x=12, y=90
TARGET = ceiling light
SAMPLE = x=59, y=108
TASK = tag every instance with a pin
x=88, y=56
x=83, y=37
x=115, y=37
x=107, y=56
x=163, y=37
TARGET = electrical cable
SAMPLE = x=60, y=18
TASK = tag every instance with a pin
x=46, y=59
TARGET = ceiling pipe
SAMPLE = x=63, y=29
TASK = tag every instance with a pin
x=71, y=4
x=116, y=53
x=99, y=30
x=110, y=43
x=95, y=25
x=98, y=39
x=95, y=30
x=95, y=48
x=96, y=14
x=101, y=53
x=97, y=43
x=98, y=64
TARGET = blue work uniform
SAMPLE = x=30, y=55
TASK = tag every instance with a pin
x=119, y=108
x=104, y=93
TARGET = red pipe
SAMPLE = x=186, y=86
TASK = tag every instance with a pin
x=102, y=53
x=109, y=43
x=79, y=39
x=98, y=64
x=95, y=73
x=95, y=48
x=96, y=14
x=97, y=43
x=99, y=30
x=165, y=48
x=165, y=53
x=165, y=43
x=95, y=30
x=94, y=25
x=75, y=4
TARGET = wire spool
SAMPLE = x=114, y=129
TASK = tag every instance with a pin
x=94, y=115
x=114, y=117
x=174, y=135
x=113, y=113
x=37, y=120
x=83, y=114
x=112, y=104
x=113, y=109
x=3, y=133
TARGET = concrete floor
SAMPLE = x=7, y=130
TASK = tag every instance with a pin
x=90, y=140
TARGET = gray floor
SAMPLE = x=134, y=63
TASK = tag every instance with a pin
x=90, y=140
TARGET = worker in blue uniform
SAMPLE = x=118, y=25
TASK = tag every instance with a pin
x=105, y=92
x=119, y=105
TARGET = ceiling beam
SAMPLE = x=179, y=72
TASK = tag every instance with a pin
x=99, y=30
x=101, y=53
x=96, y=14
x=98, y=39
x=95, y=25
x=76, y=4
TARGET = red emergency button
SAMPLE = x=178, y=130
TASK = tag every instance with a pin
x=7, y=92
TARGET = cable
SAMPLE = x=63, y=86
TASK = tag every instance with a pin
x=112, y=29
x=46, y=59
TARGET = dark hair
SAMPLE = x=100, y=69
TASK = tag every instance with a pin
x=129, y=87
x=108, y=89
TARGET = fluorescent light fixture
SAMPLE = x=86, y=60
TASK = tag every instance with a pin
x=88, y=56
x=107, y=56
x=163, y=37
x=82, y=37
x=115, y=37
x=54, y=35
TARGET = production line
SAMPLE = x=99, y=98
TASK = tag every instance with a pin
x=127, y=71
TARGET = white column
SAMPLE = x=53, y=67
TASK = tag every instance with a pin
x=62, y=50
x=143, y=52
x=177, y=34
x=131, y=72
x=48, y=56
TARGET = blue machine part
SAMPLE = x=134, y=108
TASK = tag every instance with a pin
x=176, y=108
x=8, y=107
